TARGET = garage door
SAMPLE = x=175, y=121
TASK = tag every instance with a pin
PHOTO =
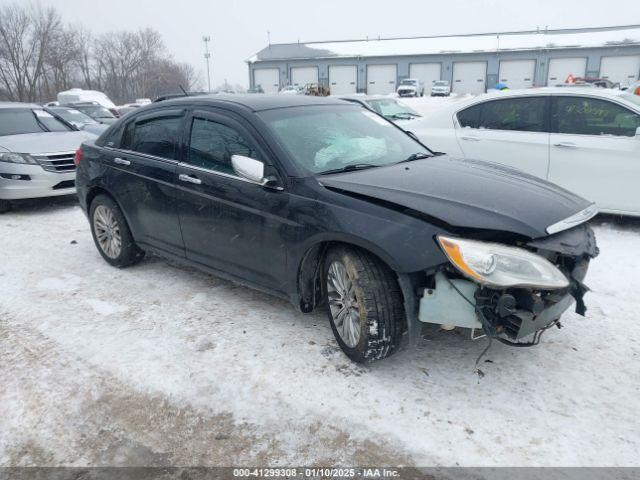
x=622, y=70
x=300, y=76
x=426, y=72
x=343, y=79
x=517, y=73
x=381, y=79
x=268, y=79
x=469, y=77
x=561, y=68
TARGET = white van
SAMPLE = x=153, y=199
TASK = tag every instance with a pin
x=76, y=95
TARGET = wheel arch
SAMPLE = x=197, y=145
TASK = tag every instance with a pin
x=94, y=191
x=310, y=263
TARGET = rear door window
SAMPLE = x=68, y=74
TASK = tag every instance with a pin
x=155, y=135
x=470, y=117
x=525, y=114
x=579, y=115
x=212, y=144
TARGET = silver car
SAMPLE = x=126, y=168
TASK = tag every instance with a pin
x=36, y=154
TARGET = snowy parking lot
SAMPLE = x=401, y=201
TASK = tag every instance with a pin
x=161, y=365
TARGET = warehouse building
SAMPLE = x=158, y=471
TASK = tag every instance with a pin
x=472, y=63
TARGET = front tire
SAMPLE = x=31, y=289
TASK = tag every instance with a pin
x=5, y=206
x=364, y=304
x=111, y=233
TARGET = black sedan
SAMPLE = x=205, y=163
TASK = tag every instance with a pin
x=327, y=203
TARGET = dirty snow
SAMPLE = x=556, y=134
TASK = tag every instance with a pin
x=159, y=364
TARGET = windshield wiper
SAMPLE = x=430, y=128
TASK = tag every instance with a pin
x=415, y=156
x=350, y=168
x=404, y=116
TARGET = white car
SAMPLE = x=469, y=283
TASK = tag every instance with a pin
x=36, y=153
x=410, y=87
x=586, y=140
x=291, y=90
x=441, y=88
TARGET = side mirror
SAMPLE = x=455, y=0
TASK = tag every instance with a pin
x=253, y=170
x=248, y=168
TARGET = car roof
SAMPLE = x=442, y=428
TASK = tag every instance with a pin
x=255, y=102
x=577, y=90
x=536, y=91
x=18, y=105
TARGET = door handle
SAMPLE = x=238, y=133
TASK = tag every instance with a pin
x=565, y=145
x=121, y=161
x=471, y=139
x=189, y=179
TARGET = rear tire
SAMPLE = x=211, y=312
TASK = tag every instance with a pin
x=111, y=233
x=5, y=206
x=364, y=304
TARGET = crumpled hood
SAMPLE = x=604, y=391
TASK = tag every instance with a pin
x=45, y=142
x=466, y=194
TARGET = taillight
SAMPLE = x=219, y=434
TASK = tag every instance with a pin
x=78, y=158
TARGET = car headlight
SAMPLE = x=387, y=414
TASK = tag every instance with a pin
x=497, y=265
x=17, y=158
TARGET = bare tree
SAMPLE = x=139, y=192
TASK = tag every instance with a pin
x=61, y=70
x=25, y=36
x=84, y=61
x=40, y=56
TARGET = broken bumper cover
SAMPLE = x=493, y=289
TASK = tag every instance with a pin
x=512, y=314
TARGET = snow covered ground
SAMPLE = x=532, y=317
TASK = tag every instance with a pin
x=162, y=365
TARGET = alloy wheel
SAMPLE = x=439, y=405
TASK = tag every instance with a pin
x=107, y=230
x=343, y=304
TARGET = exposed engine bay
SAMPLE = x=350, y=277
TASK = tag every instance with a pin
x=513, y=314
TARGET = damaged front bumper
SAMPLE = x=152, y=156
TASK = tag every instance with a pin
x=512, y=314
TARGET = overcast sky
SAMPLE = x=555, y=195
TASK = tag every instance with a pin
x=239, y=28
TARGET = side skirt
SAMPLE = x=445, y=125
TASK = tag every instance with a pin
x=214, y=272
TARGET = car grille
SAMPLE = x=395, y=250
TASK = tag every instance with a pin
x=60, y=162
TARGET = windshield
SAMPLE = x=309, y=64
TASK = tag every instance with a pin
x=391, y=109
x=408, y=82
x=441, y=84
x=322, y=138
x=16, y=121
x=95, y=111
x=74, y=116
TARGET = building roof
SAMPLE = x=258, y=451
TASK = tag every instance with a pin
x=449, y=44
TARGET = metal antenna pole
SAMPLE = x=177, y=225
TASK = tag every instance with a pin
x=206, y=39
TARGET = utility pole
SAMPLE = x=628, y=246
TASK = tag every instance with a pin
x=206, y=39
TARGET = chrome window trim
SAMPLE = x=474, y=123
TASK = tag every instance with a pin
x=574, y=220
x=144, y=155
x=214, y=172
